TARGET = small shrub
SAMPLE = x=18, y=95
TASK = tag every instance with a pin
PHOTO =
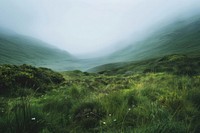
x=88, y=115
x=132, y=99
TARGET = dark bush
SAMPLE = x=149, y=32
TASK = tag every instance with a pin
x=132, y=99
x=26, y=76
x=87, y=115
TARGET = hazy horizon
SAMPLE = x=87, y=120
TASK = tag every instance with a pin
x=85, y=27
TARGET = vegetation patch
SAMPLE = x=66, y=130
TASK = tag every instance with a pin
x=154, y=101
x=13, y=78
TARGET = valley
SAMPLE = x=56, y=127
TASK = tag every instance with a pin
x=149, y=86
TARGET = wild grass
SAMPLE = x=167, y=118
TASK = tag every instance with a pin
x=137, y=103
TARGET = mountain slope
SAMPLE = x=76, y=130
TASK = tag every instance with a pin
x=17, y=49
x=180, y=37
x=176, y=64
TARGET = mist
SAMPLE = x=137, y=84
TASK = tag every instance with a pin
x=88, y=27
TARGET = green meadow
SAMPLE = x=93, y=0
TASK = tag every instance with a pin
x=136, y=97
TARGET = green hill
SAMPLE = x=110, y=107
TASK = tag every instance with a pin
x=175, y=64
x=17, y=49
x=180, y=37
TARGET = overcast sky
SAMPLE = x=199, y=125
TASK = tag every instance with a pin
x=87, y=26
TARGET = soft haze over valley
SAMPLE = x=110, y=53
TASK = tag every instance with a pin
x=99, y=66
x=87, y=28
x=78, y=34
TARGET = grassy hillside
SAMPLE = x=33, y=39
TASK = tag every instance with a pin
x=181, y=37
x=17, y=49
x=175, y=63
x=87, y=102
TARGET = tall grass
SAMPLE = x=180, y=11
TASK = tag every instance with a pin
x=152, y=102
x=22, y=117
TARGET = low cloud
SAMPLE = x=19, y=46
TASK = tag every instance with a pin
x=88, y=26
